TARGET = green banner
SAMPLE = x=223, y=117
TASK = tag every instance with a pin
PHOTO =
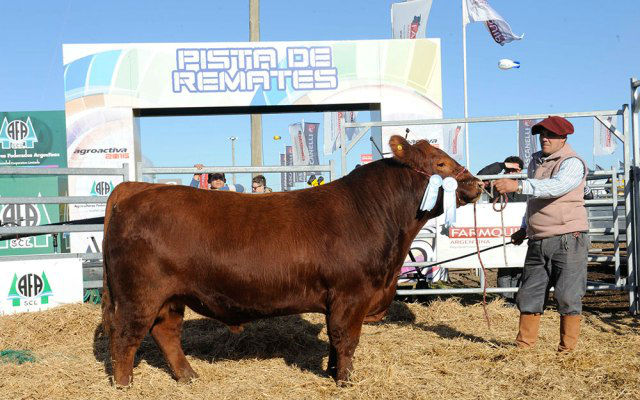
x=34, y=139
x=31, y=139
x=28, y=214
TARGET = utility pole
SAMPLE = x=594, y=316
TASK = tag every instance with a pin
x=233, y=157
x=256, y=119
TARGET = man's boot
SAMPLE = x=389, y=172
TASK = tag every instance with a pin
x=569, y=332
x=528, y=330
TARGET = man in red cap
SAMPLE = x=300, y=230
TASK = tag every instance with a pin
x=556, y=225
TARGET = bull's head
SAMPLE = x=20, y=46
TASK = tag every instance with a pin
x=430, y=160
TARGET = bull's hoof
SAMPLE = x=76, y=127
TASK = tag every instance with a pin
x=343, y=383
x=187, y=376
x=122, y=383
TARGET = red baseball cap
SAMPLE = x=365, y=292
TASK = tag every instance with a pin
x=557, y=125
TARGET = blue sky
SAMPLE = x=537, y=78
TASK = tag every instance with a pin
x=576, y=56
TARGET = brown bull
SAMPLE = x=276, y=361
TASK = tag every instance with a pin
x=335, y=249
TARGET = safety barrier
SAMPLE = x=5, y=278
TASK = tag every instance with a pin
x=625, y=212
x=92, y=262
x=630, y=202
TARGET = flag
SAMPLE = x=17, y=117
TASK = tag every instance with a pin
x=409, y=19
x=333, y=122
x=481, y=11
x=453, y=141
x=283, y=175
x=300, y=150
x=604, y=143
x=289, y=161
x=527, y=144
x=311, y=138
x=350, y=117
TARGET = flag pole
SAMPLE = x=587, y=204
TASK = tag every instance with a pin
x=464, y=63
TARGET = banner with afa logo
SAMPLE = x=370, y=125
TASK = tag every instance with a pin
x=34, y=139
x=31, y=139
x=36, y=285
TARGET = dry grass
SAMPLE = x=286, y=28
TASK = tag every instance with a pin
x=440, y=351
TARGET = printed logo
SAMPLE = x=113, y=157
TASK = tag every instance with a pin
x=24, y=215
x=109, y=153
x=101, y=188
x=29, y=290
x=485, y=232
x=203, y=70
x=17, y=134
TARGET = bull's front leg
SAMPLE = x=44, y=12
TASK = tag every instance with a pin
x=344, y=323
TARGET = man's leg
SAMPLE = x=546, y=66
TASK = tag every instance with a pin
x=531, y=295
x=569, y=265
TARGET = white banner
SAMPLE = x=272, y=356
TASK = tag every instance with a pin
x=301, y=154
x=409, y=19
x=333, y=122
x=460, y=238
x=35, y=285
x=604, y=142
x=453, y=141
x=330, y=133
x=481, y=11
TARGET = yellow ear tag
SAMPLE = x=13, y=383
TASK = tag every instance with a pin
x=399, y=147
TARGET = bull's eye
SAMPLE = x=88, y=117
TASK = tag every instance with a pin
x=441, y=165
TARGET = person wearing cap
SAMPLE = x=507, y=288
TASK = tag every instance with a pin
x=216, y=181
x=556, y=225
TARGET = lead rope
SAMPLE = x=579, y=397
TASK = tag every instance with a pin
x=484, y=271
x=503, y=204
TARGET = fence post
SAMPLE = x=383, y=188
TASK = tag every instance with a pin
x=616, y=225
x=332, y=173
x=628, y=210
x=139, y=171
x=125, y=172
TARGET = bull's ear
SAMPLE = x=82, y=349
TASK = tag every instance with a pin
x=404, y=152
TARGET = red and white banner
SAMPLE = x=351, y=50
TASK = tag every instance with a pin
x=460, y=238
x=453, y=140
x=301, y=155
x=604, y=142
x=481, y=11
x=409, y=19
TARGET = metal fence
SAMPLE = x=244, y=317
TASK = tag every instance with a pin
x=624, y=215
x=628, y=206
x=92, y=262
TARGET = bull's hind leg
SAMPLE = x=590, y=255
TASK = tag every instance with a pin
x=166, y=332
x=129, y=326
x=344, y=323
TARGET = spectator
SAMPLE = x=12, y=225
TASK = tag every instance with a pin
x=216, y=181
x=507, y=277
x=259, y=185
x=511, y=165
x=556, y=225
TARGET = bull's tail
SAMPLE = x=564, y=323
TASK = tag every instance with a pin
x=121, y=192
x=107, y=306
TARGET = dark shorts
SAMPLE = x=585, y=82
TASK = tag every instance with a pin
x=559, y=262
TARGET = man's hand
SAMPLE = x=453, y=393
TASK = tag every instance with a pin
x=518, y=237
x=505, y=185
